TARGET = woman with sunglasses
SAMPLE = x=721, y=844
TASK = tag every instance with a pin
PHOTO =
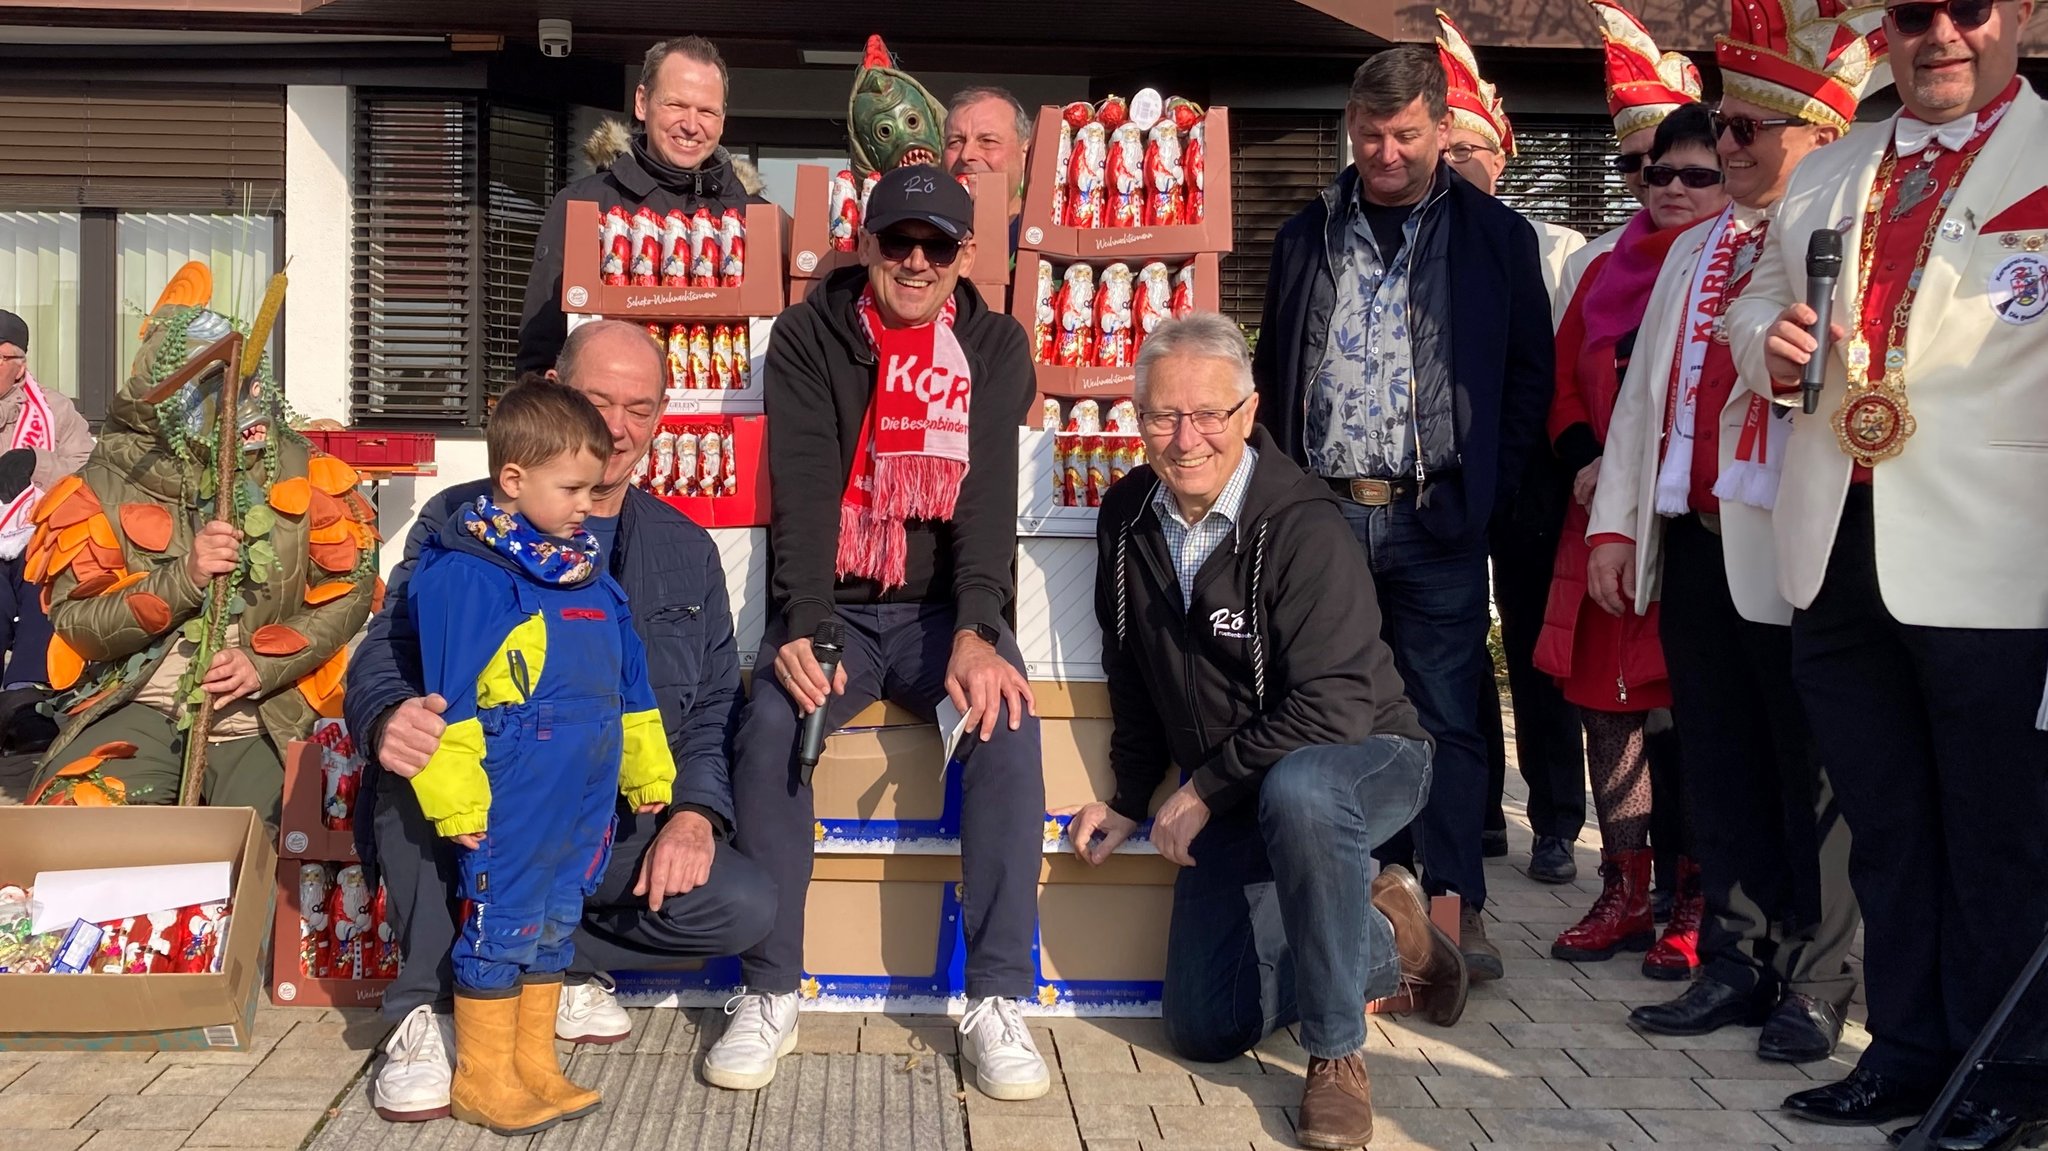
x=1613, y=667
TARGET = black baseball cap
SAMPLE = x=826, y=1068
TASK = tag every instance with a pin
x=920, y=192
x=13, y=330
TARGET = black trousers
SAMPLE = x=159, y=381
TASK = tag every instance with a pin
x=1944, y=778
x=1549, y=746
x=727, y=914
x=1773, y=851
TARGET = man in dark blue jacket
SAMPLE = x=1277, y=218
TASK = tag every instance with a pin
x=675, y=890
x=1405, y=357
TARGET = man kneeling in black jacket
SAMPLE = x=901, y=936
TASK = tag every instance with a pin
x=1241, y=638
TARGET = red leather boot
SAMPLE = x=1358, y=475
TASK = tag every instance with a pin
x=1620, y=919
x=1677, y=954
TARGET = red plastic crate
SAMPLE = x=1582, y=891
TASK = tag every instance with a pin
x=375, y=449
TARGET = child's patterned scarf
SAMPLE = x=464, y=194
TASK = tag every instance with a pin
x=549, y=560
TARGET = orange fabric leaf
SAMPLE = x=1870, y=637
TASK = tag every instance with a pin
x=329, y=592
x=377, y=596
x=123, y=583
x=275, y=639
x=335, y=532
x=85, y=794
x=116, y=749
x=334, y=557
x=62, y=557
x=115, y=789
x=330, y=475
x=38, y=564
x=190, y=286
x=55, y=497
x=291, y=496
x=77, y=535
x=326, y=510
x=82, y=506
x=108, y=558
x=322, y=686
x=148, y=526
x=88, y=701
x=100, y=530
x=66, y=665
x=97, y=585
x=40, y=540
x=81, y=766
x=43, y=597
x=150, y=611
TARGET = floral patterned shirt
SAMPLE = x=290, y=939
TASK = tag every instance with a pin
x=1360, y=420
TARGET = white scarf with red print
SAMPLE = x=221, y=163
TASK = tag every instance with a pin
x=35, y=429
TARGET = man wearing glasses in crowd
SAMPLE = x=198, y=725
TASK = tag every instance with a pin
x=895, y=394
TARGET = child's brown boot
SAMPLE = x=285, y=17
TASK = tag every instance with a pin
x=487, y=1090
x=534, y=1054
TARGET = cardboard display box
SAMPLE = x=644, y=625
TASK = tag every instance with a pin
x=1041, y=233
x=289, y=986
x=585, y=292
x=141, y=1012
x=302, y=832
x=749, y=400
x=749, y=507
x=1056, y=625
x=812, y=256
x=743, y=552
x=1103, y=384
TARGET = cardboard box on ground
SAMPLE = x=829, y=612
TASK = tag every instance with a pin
x=172, y=1012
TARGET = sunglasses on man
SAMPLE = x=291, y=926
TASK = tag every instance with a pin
x=1915, y=19
x=1747, y=128
x=939, y=250
x=1629, y=163
x=1661, y=175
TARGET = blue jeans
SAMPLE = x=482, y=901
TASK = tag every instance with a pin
x=1433, y=609
x=1275, y=922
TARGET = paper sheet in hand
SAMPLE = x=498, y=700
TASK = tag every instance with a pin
x=952, y=729
x=103, y=894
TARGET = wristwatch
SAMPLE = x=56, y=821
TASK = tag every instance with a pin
x=987, y=634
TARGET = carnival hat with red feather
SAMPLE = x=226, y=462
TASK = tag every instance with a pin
x=1814, y=59
x=1643, y=85
x=1475, y=104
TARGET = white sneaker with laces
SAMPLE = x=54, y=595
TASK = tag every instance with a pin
x=589, y=1012
x=411, y=1084
x=763, y=1030
x=996, y=1043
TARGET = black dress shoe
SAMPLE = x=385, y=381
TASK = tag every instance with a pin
x=1708, y=1005
x=1493, y=843
x=1550, y=860
x=23, y=729
x=1972, y=1127
x=1863, y=1098
x=1801, y=1029
x=1662, y=900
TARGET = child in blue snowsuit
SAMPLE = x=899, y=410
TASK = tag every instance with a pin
x=549, y=717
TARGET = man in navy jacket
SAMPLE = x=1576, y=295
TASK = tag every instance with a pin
x=675, y=889
x=1405, y=356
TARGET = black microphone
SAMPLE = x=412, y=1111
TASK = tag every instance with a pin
x=1823, y=267
x=827, y=645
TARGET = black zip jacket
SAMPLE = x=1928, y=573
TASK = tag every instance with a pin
x=633, y=180
x=1479, y=322
x=1280, y=650
x=819, y=381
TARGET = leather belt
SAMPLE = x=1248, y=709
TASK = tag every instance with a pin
x=1369, y=491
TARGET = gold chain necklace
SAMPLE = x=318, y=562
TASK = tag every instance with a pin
x=1874, y=423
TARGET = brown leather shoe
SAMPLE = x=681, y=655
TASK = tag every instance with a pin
x=1482, y=958
x=1336, y=1106
x=1432, y=970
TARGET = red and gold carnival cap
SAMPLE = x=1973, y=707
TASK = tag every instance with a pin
x=1475, y=104
x=1643, y=86
x=1814, y=59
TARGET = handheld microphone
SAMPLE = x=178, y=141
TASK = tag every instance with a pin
x=827, y=645
x=1823, y=267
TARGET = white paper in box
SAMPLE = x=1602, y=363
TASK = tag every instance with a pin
x=1038, y=506
x=1056, y=626
x=743, y=552
x=106, y=894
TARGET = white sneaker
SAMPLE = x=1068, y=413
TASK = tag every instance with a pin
x=995, y=1042
x=411, y=1084
x=589, y=1012
x=763, y=1030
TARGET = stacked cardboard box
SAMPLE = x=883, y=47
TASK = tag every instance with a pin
x=328, y=946
x=812, y=255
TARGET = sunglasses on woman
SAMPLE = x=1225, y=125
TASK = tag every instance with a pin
x=937, y=249
x=1746, y=128
x=1661, y=175
x=1916, y=19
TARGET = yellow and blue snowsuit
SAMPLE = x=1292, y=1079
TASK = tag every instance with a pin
x=549, y=715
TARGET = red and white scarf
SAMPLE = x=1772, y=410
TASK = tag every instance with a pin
x=1731, y=253
x=912, y=454
x=34, y=429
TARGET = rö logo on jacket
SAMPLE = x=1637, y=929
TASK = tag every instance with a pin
x=1226, y=623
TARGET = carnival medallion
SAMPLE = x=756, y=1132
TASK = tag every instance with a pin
x=1873, y=423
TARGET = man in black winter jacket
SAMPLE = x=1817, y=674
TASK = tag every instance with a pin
x=675, y=162
x=894, y=396
x=1241, y=639
x=1405, y=358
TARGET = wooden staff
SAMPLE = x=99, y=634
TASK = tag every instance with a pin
x=227, y=453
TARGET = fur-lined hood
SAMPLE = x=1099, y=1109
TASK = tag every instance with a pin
x=612, y=139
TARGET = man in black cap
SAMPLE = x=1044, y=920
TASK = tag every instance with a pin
x=895, y=394
x=46, y=440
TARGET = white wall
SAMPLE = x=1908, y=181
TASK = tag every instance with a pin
x=457, y=461
x=317, y=218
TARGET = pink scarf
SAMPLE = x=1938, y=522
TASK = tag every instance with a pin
x=1617, y=298
x=912, y=454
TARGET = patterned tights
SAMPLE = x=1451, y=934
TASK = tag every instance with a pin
x=1620, y=767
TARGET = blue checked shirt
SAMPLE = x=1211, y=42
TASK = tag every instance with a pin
x=1191, y=545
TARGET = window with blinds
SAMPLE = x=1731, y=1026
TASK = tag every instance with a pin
x=449, y=197
x=1278, y=163
x=141, y=147
x=1563, y=173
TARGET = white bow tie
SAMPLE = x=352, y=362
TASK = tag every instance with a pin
x=1912, y=136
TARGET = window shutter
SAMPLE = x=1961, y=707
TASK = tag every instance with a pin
x=1278, y=163
x=525, y=158
x=139, y=147
x=416, y=345
x=1564, y=174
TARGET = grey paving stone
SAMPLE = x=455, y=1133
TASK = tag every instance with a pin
x=1726, y=1039
x=1573, y=1011
x=1460, y=1092
x=1668, y=1126
x=1507, y=1061
x=40, y=1139
x=1100, y=1121
x=1521, y=989
x=1239, y=1090
x=1183, y=1126
x=1749, y=1094
x=1424, y=1125
x=1745, y=1065
x=281, y=1095
x=1575, y=1035
x=245, y=1130
x=1607, y=1062
x=123, y=1078
x=203, y=1079
x=863, y=1102
x=1798, y=1132
x=1559, y=1126
x=1169, y=1088
x=123, y=1140
x=1013, y=1133
x=1624, y=1094
x=151, y=1113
